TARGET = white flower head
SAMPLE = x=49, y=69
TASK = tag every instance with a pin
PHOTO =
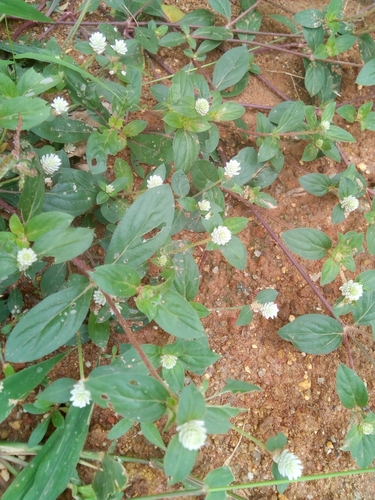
x=162, y=260
x=349, y=204
x=202, y=106
x=366, y=428
x=60, y=105
x=48, y=182
x=232, y=168
x=351, y=290
x=269, y=310
x=109, y=189
x=25, y=258
x=192, y=435
x=50, y=163
x=154, y=181
x=98, y=42
x=1, y=386
x=325, y=124
x=81, y=397
x=208, y=216
x=69, y=148
x=120, y=47
x=168, y=361
x=99, y=298
x=221, y=235
x=289, y=464
x=204, y=205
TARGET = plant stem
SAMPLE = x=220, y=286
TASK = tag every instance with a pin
x=192, y=245
x=243, y=14
x=76, y=25
x=85, y=268
x=80, y=356
x=250, y=437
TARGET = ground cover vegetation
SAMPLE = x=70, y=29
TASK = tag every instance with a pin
x=150, y=212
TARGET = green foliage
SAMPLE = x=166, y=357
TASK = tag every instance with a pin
x=127, y=226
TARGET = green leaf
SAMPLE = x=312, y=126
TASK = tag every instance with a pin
x=18, y=386
x=200, y=17
x=285, y=21
x=330, y=270
x=189, y=204
x=32, y=111
x=74, y=194
x=292, y=118
x=223, y=7
x=238, y=386
x=361, y=446
x=120, y=428
x=64, y=244
x=364, y=313
x=39, y=432
x=175, y=377
x=316, y=184
x=186, y=281
x=213, y=33
x=195, y=355
x=110, y=478
x=245, y=317
x=176, y=316
x=370, y=239
x=236, y=224
x=309, y=18
x=58, y=391
x=180, y=184
x=339, y=134
x=152, y=209
x=178, y=461
x=270, y=146
x=62, y=129
x=49, y=325
x=48, y=474
x=152, y=434
x=99, y=332
x=43, y=223
x=314, y=77
x=268, y=295
x=350, y=388
x=367, y=280
x=172, y=40
x=367, y=74
x=32, y=196
x=117, y=279
x=313, y=333
x=18, y=8
x=235, y=253
x=221, y=476
x=100, y=145
x=134, y=396
x=185, y=150
x=229, y=111
x=53, y=279
x=216, y=418
x=147, y=39
x=276, y=442
x=203, y=172
x=308, y=243
x=191, y=405
x=231, y=67
x=366, y=45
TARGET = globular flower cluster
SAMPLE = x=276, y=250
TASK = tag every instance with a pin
x=99, y=298
x=60, y=105
x=109, y=189
x=349, y=204
x=289, y=464
x=98, y=42
x=204, y=205
x=81, y=397
x=192, y=434
x=202, y=106
x=325, y=125
x=232, y=168
x=154, y=181
x=221, y=235
x=168, y=361
x=351, y=290
x=25, y=258
x=50, y=163
x=269, y=310
x=120, y=47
